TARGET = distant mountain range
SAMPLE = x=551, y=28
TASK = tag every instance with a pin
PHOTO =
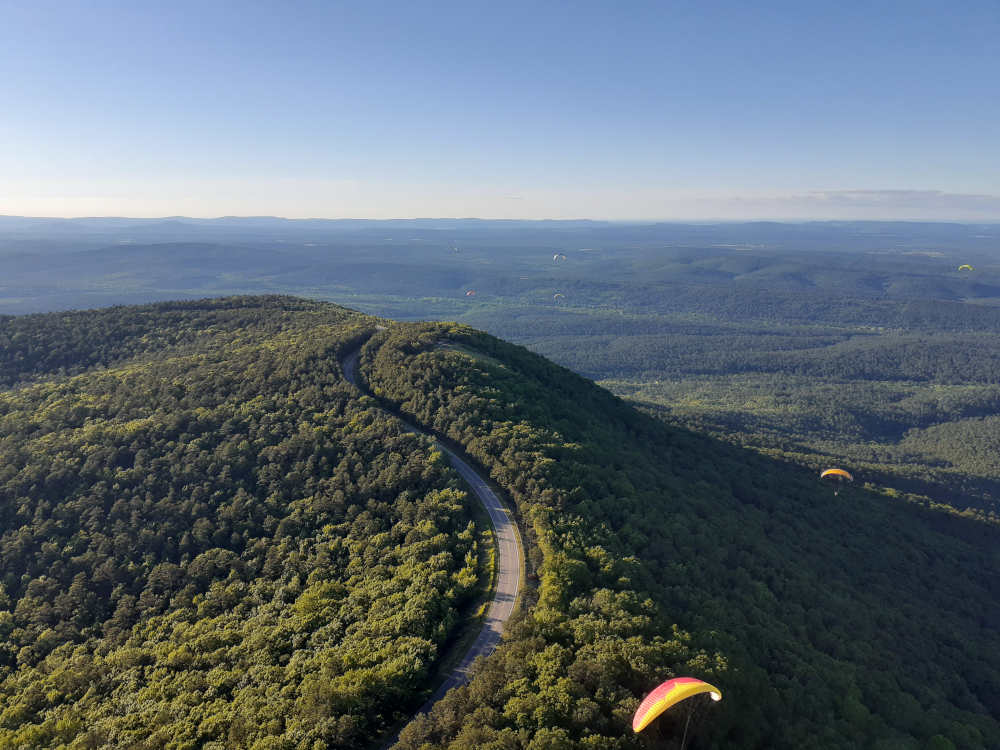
x=171, y=228
x=102, y=223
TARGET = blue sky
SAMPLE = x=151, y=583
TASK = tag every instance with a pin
x=612, y=110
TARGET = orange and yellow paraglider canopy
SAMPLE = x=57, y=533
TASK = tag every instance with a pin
x=836, y=473
x=666, y=695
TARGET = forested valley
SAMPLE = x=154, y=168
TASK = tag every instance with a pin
x=860, y=620
x=855, y=343
x=209, y=540
x=500, y=375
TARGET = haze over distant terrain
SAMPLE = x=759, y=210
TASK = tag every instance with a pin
x=856, y=342
x=54, y=263
x=698, y=386
x=210, y=537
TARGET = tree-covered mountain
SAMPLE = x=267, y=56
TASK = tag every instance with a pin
x=210, y=540
x=207, y=539
x=855, y=621
x=863, y=343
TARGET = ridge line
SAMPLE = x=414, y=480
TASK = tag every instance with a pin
x=508, y=546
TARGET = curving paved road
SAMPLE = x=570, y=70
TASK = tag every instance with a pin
x=507, y=552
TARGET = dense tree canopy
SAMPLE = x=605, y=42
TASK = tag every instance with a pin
x=208, y=539
x=215, y=543
x=856, y=621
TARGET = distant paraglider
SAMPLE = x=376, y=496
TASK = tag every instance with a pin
x=559, y=295
x=557, y=256
x=837, y=475
x=469, y=294
x=966, y=267
x=668, y=694
x=453, y=248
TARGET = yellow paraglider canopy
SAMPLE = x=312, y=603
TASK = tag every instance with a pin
x=836, y=473
x=962, y=268
x=666, y=695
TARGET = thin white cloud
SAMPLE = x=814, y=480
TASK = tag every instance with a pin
x=886, y=205
x=913, y=199
x=301, y=198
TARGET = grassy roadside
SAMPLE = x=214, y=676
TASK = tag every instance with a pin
x=472, y=616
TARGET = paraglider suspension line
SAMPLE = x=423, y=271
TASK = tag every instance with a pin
x=686, y=723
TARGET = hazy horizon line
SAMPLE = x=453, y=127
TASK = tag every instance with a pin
x=620, y=222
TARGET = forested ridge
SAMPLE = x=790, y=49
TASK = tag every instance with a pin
x=210, y=540
x=869, y=344
x=854, y=621
x=911, y=408
x=215, y=543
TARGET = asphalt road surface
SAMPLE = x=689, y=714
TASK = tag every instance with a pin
x=508, y=555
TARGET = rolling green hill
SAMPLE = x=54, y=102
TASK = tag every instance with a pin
x=856, y=343
x=855, y=621
x=210, y=540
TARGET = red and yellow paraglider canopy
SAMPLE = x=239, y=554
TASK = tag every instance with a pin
x=836, y=473
x=666, y=695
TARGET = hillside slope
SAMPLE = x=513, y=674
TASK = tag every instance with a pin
x=208, y=540
x=855, y=621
